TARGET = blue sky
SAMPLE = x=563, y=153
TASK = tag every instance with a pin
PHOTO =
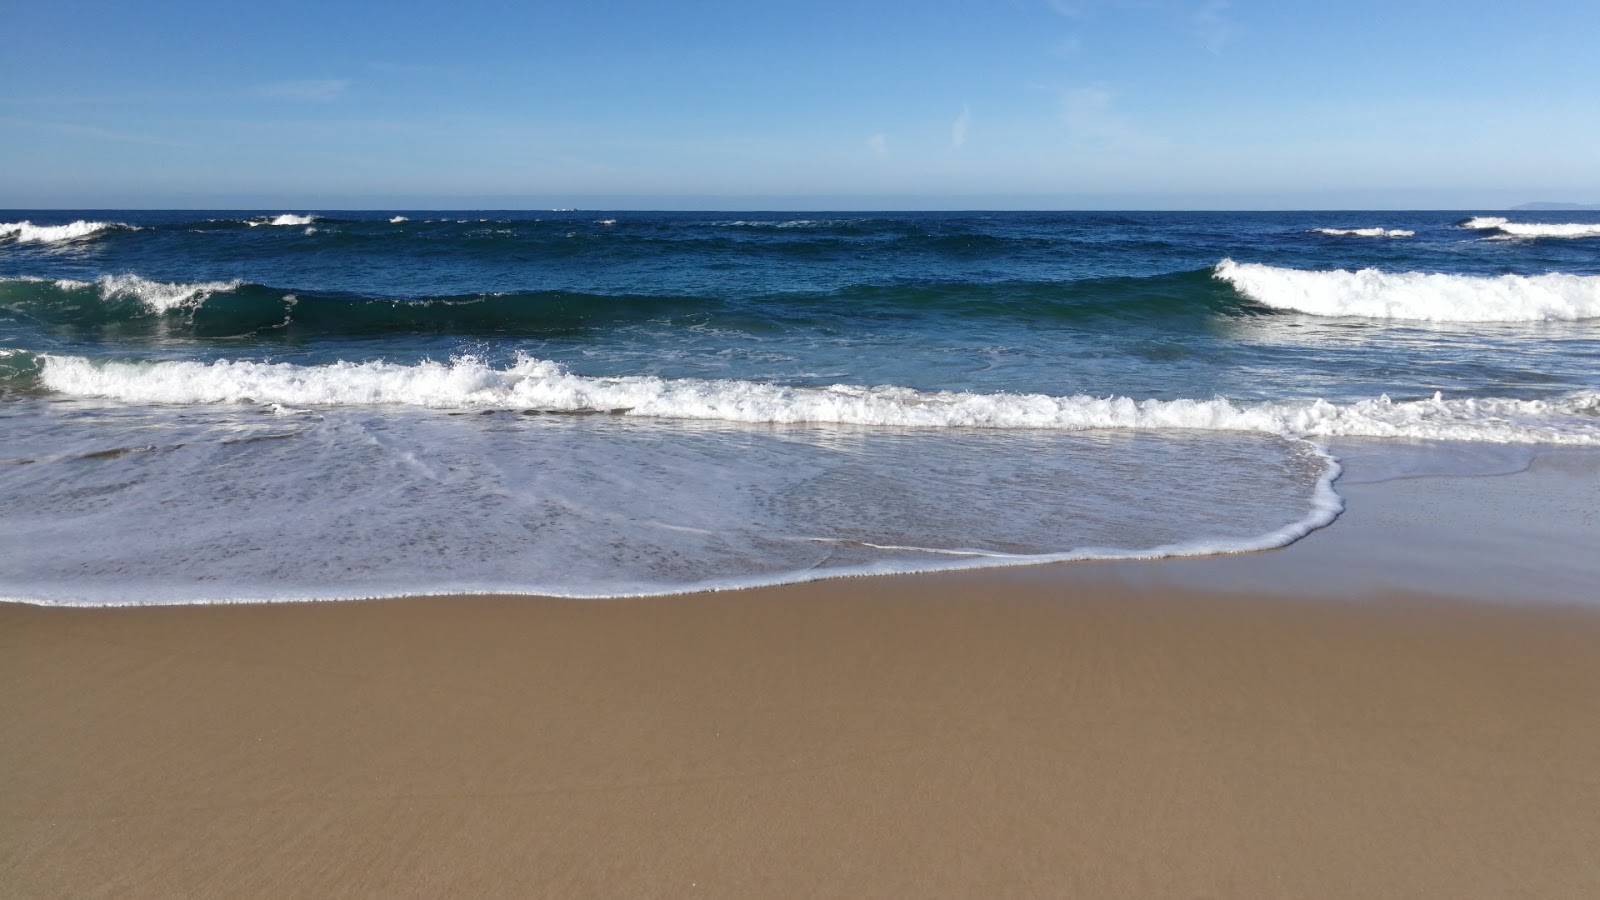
x=939, y=104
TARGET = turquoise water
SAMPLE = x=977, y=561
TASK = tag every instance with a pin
x=268, y=405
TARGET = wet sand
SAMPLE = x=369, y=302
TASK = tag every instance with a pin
x=1313, y=722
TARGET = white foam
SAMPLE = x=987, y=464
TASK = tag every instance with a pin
x=285, y=219
x=27, y=232
x=1367, y=232
x=467, y=383
x=398, y=219
x=1509, y=228
x=382, y=501
x=1418, y=296
x=790, y=223
x=156, y=296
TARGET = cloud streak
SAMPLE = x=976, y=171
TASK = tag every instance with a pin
x=879, y=145
x=960, y=127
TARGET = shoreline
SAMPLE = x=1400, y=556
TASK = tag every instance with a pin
x=1380, y=709
x=1418, y=528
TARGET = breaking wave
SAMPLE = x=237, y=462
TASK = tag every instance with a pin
x=540, y=385
x=1510, y=229
x=232, y=308
x=156, y=297
x=1366, y=232
x=1418, y=296
x=285, y=219
x=27, y=232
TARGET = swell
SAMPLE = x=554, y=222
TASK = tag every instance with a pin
x=1417, y=296
x=130, y=306
x=514, y=240
x=1506, y=229
x=26, y=232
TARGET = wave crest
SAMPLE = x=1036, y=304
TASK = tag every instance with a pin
x=1417, y=296
x=27, y=232
x=156, y=296
x=1508, y=228
x=1366, y=232
x=542, y=385
x=285, y=219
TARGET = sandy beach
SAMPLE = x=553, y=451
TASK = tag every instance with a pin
x=1336, y=719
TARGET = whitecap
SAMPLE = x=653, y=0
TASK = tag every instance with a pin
x=1366, y=232
x=1418, y=296
x=156, y=296
x=1510, y=229
x=535, y=384
x=27, y=232
x=285, y=219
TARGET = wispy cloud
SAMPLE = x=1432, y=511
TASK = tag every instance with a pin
x=879, y=145
x=314, y=90
x=960, y=127
x=1212, y=26
x=1093, y=121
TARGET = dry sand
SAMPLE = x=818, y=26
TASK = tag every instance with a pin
x=1053, y=733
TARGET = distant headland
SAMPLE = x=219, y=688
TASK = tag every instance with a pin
x=1542, y=204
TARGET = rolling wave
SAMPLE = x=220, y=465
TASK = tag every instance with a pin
x=131, y=304
x=1417, y=296
x=1510, y=229
x=285, y=219
x=27, y=232
x=1366, y=232
x=543, y=386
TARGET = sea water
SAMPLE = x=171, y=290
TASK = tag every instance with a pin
x=302, y=404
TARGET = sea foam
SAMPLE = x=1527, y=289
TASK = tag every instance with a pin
x=155, y=296
x=1366, y=232
x=383, y=501
x=1418, y=296
x=27, y=232
x=285, y=219
x=541, y=385
x=1508, y=228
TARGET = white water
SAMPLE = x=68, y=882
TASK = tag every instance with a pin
x=1367, y=232
x=27, y=232
x=1509, y=228
x=144, y=505
x=285, y=219
x=156, y=296
x=1420, y=296
x=533, y=384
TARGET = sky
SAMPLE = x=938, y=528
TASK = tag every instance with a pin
x=1004, y=104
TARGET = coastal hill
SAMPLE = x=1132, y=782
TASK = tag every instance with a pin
x=1546, y=205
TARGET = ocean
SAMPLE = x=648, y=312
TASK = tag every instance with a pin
x=225, y=406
